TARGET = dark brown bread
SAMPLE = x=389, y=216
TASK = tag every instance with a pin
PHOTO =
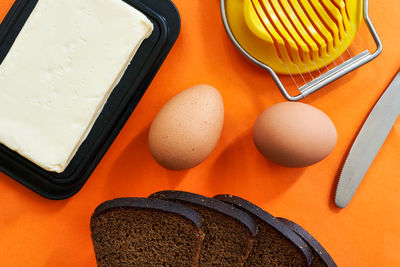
x=320, y=256
x=275, y=244
x=229, y=232
x=146, y=232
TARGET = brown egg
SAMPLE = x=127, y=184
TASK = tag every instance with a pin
x=187, y=128
x=294, y=134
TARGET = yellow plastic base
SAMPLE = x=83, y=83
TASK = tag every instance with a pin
x=294, y=36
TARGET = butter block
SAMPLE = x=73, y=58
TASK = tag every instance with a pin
x=59, y=73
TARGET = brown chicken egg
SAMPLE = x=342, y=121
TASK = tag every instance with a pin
x=187, y=128
x=294, y=134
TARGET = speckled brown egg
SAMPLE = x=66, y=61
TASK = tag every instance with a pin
x=187, y=128
x=294, y=134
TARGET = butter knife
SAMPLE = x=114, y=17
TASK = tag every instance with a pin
x=368, y=142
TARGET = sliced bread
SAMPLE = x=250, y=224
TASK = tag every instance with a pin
x=146, y=232
x=276, y=244
x=229, y=232
x=321, y=257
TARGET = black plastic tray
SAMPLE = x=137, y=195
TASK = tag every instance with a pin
x=119, y=107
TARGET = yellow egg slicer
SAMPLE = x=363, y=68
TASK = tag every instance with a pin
x=300, y=37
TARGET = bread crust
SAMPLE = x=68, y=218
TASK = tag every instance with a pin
x=210, y=203
x=311, y=241
x=270, y=220
x=146, y=203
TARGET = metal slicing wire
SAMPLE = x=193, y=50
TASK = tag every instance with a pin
x=274, y=26
x=316, y=67
x=299, y=33
x=284, y=64
x=295, y=12
x=284, y=26
x=305, y=65
x=344, y=28
x=320, y=33
x=341, y=41
x=357, y=33
x=266, y=29
x=292, y=25
x=276, y=45
x=326, y=66
x=333, y=61
x=353, y=43
x=274, y=40
x=354, y=28
x=327, y=28
x=350, y=22
x=322, y=21
x=333, y=15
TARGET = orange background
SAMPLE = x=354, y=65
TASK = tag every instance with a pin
x=39, y=232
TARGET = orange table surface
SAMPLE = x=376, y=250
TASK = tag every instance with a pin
x=39, y=232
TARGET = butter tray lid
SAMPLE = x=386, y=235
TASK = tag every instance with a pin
x=120, y=105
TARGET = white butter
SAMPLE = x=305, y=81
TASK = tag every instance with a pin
x=58, y=75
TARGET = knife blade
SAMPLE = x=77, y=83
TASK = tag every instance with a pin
x=368, y=142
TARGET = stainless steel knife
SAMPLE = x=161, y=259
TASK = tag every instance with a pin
x=368, y=142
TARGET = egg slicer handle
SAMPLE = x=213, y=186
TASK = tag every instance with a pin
x=322, y=80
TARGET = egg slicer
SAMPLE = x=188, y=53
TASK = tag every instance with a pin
x=312, y=41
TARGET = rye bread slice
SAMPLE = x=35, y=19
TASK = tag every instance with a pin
x=229, y=232
x=320, y=256
x=276, y=244
x=146, y=232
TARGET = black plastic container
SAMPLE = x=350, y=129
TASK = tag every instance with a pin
x=119, y=107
